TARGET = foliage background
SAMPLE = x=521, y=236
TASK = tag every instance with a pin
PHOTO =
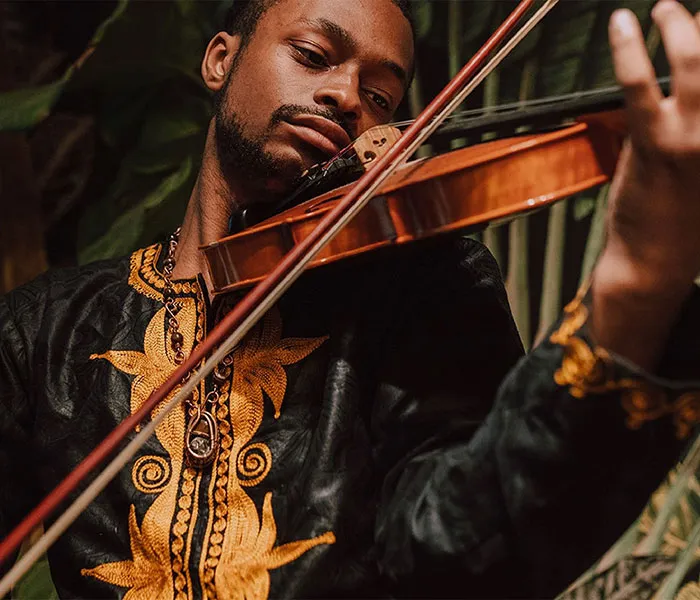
x=103, y=117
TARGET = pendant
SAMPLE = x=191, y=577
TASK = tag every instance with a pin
x=201, y=440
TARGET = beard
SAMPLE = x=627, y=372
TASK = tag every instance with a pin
x=244, y=160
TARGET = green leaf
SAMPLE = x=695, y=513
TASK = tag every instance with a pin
x=121, y=116
x=566, y=37
x=124, y=234
x=22, y=109
x=36, y=584
x=165, y=127
x=151, y=44
x=105, y=25
x=423, y=17
x=166, y=136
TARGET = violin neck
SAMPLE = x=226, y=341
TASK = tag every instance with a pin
x=537, y=114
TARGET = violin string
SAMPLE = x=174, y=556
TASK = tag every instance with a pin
x=483, y=73
x=483, y=111
x=119, y=461
x=524, y=105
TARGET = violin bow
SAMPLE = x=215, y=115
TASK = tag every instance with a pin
x=256, y=303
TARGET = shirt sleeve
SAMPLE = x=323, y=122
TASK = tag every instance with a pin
x=451, y=343
x=575, y=442
x=16, y=474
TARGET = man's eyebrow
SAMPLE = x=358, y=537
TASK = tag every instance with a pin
x=333, y=30
x=396, y=69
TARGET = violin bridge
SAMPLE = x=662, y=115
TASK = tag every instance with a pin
x=375, y=143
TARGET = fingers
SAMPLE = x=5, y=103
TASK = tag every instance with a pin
x=681, y=37
x=634, y=70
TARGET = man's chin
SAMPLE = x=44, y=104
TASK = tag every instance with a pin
x=295, y=159
x=276, y=182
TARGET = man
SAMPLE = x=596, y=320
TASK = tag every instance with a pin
x=357, y=443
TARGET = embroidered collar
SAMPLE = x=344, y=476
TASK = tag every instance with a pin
x=146, y=276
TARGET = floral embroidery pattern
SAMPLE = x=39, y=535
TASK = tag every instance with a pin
x=240, y=551
x=152, y=572
x=585, y=370
x=149, y=570
x=239, y=546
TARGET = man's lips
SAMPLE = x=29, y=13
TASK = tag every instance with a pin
x=322, y=133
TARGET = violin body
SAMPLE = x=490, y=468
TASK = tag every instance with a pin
x=463, y=190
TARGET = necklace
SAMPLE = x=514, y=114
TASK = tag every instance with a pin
x=202, y=435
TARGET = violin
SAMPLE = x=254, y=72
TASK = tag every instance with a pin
x=395, y=202
x=459, y=192
x=455, y=193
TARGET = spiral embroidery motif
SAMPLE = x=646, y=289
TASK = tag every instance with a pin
x=253, y=463
x=151, y=474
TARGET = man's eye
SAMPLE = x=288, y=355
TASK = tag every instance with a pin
x=379, y=100
x=310, y=57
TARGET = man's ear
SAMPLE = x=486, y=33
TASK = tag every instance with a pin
x=217, y=60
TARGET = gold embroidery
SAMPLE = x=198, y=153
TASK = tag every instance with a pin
x=239, y=543
x=145, y=278
x=686, y=413
x=239, y=547
x=147, y=575
x=218, y=512
x=156, y=570
x=182, y=525
x=254, y=463
x=590, y=371
x=153, y=366
x=246, y=573
x=150, y=474
x=141, y=275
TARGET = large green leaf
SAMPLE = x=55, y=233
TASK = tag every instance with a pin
x=422, y=13
x=24, y=108
x=149, y=45
x=125, y=232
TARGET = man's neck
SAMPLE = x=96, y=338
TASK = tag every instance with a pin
x=206, y=218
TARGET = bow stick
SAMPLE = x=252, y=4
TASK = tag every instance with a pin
x=256, y=303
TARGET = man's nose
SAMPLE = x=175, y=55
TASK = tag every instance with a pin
x=341, y=90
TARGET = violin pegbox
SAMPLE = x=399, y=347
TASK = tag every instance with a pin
x=375, y=143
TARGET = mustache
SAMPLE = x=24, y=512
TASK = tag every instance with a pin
x=288, y=111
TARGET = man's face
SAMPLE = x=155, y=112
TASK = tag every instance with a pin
x=315, y=74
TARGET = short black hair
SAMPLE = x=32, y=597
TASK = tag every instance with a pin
x=243, y=16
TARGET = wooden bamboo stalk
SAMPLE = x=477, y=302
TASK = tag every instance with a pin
x=596, y=235
x=416, y=104
x=454, y=49
x=550, y=304
x=492, y=235
x=517, y=282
